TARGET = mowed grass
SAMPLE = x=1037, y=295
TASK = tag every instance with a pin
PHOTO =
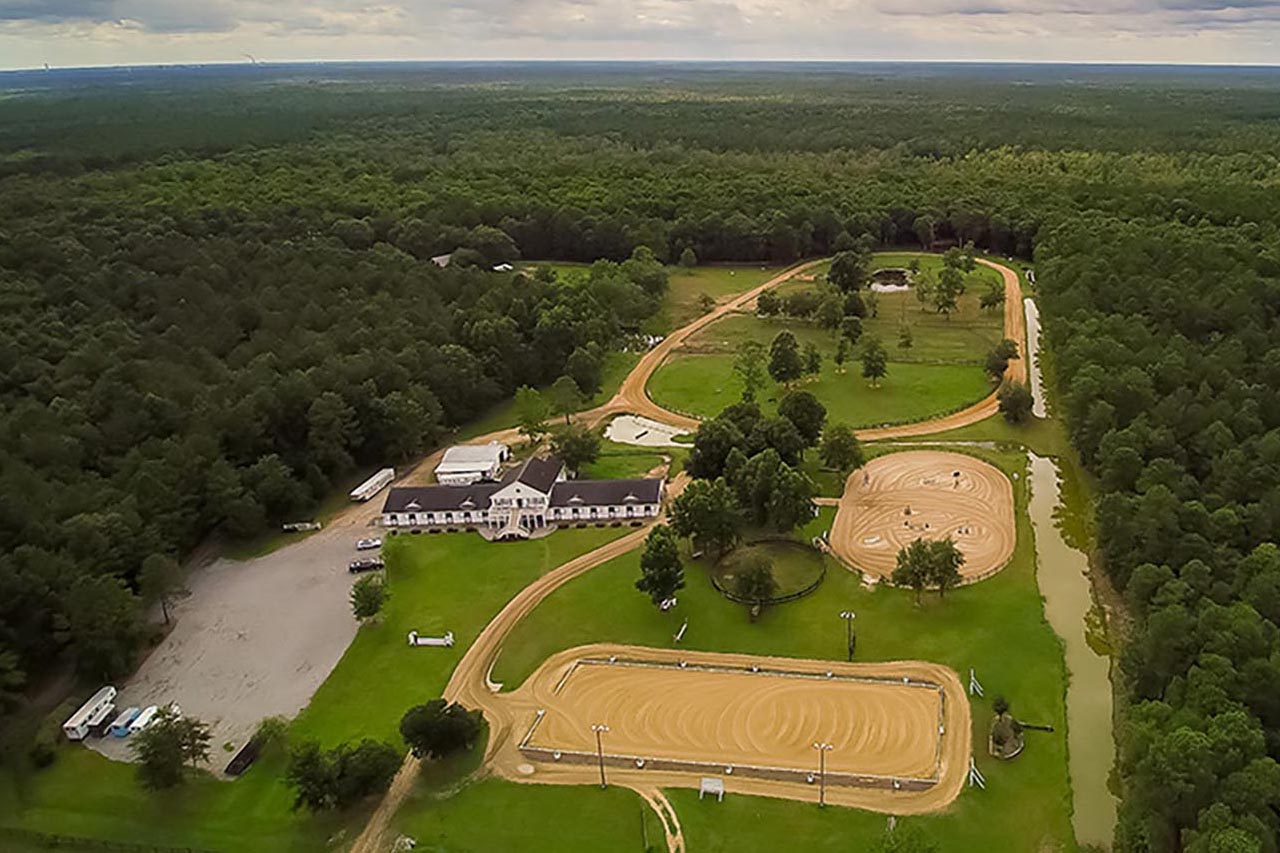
x=455, y=582
x=965, y=338
x=494, y=814
x=88, y=796
x=625, y=461
x=794, y=566
x=703, y=385
x=444, y=582
x=997, y=627
x=685, y=287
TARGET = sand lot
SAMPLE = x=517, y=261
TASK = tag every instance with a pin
x=740, y=717
x=895, y=499
x=719, y=710
x=644, y=432
x=254, y=638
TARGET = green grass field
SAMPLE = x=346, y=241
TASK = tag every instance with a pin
x=623, y=461
x=685, y=286
x=996, y=626
x=455, y=582
x=794, y=566
x=703, y=385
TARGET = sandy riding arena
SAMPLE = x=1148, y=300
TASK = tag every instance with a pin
x=900, y=732
x=895, y=499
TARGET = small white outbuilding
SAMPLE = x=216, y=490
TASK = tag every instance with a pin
x=465, y=464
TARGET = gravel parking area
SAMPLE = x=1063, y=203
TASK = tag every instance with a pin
x=255, y=638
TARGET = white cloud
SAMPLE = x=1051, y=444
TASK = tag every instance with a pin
x=79, y=32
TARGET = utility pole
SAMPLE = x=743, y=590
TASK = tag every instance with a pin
x=600, y=729
x=823, y=748
x=848, y=616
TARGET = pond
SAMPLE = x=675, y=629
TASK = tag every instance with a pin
x=1068, y=601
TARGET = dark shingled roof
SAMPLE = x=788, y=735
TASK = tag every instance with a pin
x=439, y=498
x=537, y=472
x=605, y=492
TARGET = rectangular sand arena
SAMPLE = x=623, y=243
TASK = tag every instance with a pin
x=738, y=717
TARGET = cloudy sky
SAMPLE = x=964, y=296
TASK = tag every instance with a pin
x=111, y=32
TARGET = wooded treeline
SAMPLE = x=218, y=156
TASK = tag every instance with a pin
x=1164, y=339
x=217, y=301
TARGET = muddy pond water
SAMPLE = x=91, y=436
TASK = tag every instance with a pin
x=1068, y=600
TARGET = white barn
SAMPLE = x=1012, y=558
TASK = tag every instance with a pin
x=465, y=464
x=530, y=499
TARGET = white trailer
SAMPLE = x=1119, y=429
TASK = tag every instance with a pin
x=144, y=719
x=90, y=714
x=373, y=485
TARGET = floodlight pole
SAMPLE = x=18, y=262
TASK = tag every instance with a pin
x=823, y=748
x=848, y=616
x=600, y=729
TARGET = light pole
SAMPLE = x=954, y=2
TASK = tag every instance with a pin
x=600, y=729
x=848, y=616
x=823, y=748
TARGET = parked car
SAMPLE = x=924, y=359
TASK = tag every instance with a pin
x=368, y=544
x=366, y=564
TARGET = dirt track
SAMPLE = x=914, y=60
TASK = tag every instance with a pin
x=470, y=683
x=735, y=717
x=975, y=509
x=880, y=728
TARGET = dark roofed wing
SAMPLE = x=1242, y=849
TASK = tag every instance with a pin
x=606, y=492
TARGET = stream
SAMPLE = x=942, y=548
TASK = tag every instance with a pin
x=1063, y=578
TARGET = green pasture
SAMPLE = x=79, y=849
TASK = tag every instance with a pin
x=996, y=626
x=703, y=385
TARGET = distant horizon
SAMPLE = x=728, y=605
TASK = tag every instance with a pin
x=134, y=33
x=1044, y=63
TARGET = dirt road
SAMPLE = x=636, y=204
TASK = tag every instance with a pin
x=470, y=682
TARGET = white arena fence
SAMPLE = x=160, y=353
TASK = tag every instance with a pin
x=754, y=771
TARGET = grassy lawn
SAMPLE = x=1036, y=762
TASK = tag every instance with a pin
x=444, y=582
x=793, y=566
x=86, y=795
x=685, y=286
x=493, y=814
x=623, y=461
x=996, y=626
x=703, y=385
x=965, y=338
x=454, y=582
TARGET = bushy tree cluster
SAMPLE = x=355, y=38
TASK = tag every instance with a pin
x=440, y=728
x=165, y=378
x=743, y=478
x=325, y=780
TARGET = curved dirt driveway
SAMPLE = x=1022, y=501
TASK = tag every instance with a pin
x=470, y=683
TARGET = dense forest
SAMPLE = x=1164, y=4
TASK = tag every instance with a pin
x=219, y=301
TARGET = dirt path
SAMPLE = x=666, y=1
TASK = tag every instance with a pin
x=895, y=499
x=470, y=683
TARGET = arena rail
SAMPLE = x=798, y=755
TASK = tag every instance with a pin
x=553, y=755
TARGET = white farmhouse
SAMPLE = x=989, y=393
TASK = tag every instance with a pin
x=470, y=463
x=531, y=500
